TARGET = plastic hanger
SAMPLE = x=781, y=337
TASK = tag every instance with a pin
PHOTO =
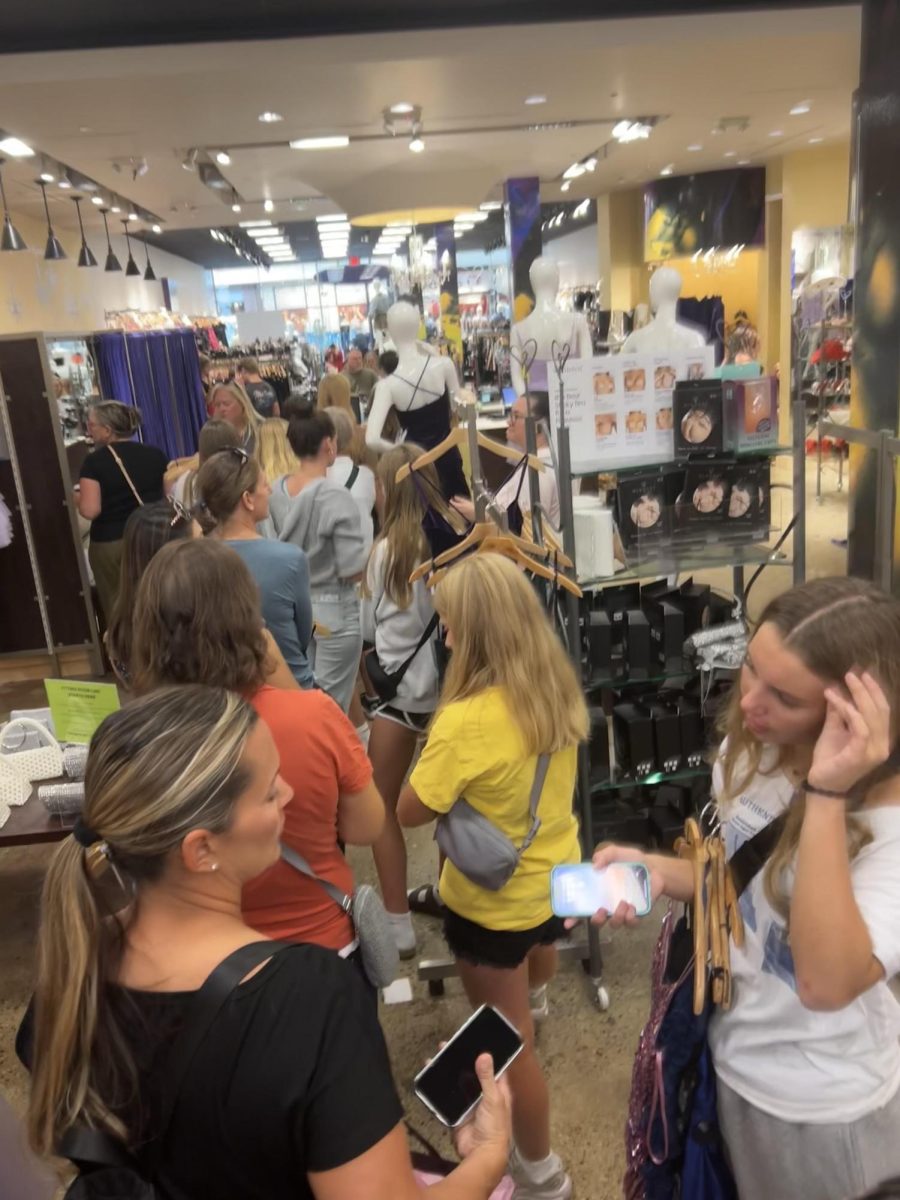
x=459, y=437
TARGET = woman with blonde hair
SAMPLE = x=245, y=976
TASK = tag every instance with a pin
x=287, y=1095
x=273, y=449
x=511, y=709
x=806, y=1060
x=230, y=402
x=334, y=392
x=399, y=624
x=350, y=470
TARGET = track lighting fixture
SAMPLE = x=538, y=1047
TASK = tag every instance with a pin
x=131, y=267
x=10, y=238
x=53, y=251
x=148, y=273
x=85, y=256
x=112, y=263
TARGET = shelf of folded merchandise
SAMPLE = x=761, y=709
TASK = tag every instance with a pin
x=698, y=558
x=623, y=466
x=620, y=782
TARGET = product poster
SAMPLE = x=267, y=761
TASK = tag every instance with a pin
x=619, y=407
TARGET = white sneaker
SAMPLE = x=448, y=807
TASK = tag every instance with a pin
x=539, y=1181
x=539, y=1003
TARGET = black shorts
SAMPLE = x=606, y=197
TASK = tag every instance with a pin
x=506, y=948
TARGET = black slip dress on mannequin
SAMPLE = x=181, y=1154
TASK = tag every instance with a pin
x=427, y=427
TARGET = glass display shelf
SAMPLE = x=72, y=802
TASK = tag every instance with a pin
x=695, y=558
x=616, y=783
x=623, y=466
x=655, y=675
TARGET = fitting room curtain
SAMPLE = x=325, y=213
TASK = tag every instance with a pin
x=159, y=372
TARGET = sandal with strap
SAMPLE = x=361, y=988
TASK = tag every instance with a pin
x=426, y=901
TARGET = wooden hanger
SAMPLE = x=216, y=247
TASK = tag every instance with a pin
x=478, y=532
x=459, y=437
x=501, y=544
x=693, y=848
x=553, y=547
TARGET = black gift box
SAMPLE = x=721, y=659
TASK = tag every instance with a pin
x=666, y=827
x=698, y=419
x=598, y=746
x=642, y=513
x=637, y=644
x=600, y=643
x=704, y=501
x=666, y=737
x=693, y=737
x=666, y=632
x=677, y=797
x=633, y=735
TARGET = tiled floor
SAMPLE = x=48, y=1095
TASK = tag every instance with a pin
x=587, y=1054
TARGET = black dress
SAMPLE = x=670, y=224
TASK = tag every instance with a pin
x=427, y=427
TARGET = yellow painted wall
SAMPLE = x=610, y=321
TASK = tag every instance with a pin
x=738, y=285
x=61, y=297
x=626, y=249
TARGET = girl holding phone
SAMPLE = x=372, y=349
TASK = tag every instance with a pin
x=807, y=1059
x=510, y=695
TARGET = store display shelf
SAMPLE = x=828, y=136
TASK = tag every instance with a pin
x=618, y=783
x=673, y=671
x=624, y=466
x=698, y=558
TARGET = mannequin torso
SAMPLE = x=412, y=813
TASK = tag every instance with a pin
x=664, y=334
x=546, y=325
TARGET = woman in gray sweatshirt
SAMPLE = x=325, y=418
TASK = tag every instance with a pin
x=309, y=511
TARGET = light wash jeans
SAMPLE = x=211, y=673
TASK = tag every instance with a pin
x=335, y=658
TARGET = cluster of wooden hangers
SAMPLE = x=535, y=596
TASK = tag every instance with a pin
x=717, y=916
x=487, y=535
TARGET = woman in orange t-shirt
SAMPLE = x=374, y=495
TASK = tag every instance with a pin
x=198, y=620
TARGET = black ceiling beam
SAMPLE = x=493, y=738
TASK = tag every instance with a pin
x=43, y=25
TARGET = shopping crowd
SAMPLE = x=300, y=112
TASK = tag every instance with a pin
x=283, y=670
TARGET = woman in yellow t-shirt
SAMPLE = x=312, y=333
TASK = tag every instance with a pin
x=510, y=695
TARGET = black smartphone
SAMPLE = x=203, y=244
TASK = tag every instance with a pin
x=448, y=1085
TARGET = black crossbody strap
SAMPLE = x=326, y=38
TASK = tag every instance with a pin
x=426, y=634
x=94, y=1146
x=746, y=863
x=352, y=478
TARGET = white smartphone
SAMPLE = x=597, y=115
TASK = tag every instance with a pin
x=448, y=1085
x=580, y=889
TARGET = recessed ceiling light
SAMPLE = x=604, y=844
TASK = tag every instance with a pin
x=235, y=207
x=402, y=108
x=694, y=147
x=565, y=185
x=255, y=224
x=64, y=183
x=475, y=217
x=157, y=228
x=223, y=158
x=331, y=217
x=491, y=205
x=574, y=171
x=47, y=177
x=15, y=148
x=270, y=118
x=417, y=145
x=669, y=169
x=98, y=200
x=537, y=99
x=132, y=216
x=730, y=154
x=776, y=133
x=800, y=109
x=743, y=162
x=115, y=208
x=815, y=141
x=331, y=142
x=463, y=226
x=269, y=206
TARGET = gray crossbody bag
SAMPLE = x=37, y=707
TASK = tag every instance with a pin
x=477, y=848
x=380, y=957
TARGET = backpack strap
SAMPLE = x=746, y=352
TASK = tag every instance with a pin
x=352, y=478
x=747, y=862
x=94, y=1146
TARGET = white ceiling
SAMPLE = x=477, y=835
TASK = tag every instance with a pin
x=91, y=109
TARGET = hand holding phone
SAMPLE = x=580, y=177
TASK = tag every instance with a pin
x=449, y=1085
x=582, y=889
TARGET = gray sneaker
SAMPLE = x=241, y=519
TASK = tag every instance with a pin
x=557, y=1186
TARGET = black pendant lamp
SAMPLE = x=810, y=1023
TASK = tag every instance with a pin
x=149, y=273
x=54, y=251
x=85, y=254
x=10, y=238
x=131, y=267
x=112, y=263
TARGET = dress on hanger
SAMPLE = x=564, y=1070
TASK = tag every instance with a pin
x=427, y=427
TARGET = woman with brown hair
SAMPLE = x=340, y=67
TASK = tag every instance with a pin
x=288, y=1095
x=510, y=708
x=230, y=402
x=807, y=1061
x=117, y=477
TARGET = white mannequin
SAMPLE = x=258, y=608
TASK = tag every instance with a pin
x=419, y=379
x=545, y=324
x=664, y=334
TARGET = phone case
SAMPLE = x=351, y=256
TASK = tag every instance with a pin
x=561, y=908
x=498, y=1073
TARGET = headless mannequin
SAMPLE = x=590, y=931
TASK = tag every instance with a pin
x=545, y=324
x=420, y=382
x=664, y=333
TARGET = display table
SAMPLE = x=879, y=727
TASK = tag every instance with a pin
x=30, y=823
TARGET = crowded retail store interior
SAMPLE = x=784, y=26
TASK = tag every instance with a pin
x=482, y=435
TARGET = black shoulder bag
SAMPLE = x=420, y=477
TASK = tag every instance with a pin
x=387, y=683
x=107, y=1169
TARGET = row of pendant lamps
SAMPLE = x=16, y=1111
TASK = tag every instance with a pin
x=11, y=239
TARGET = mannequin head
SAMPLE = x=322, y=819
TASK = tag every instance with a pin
x=544, y=276
x=665, y=287
x=403, y=322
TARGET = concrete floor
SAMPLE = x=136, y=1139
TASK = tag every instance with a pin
x=587, y=1054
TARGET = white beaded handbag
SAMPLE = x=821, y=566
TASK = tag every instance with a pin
x=43, y=762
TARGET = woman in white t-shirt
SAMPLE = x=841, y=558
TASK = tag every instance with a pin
x=807, y=1060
